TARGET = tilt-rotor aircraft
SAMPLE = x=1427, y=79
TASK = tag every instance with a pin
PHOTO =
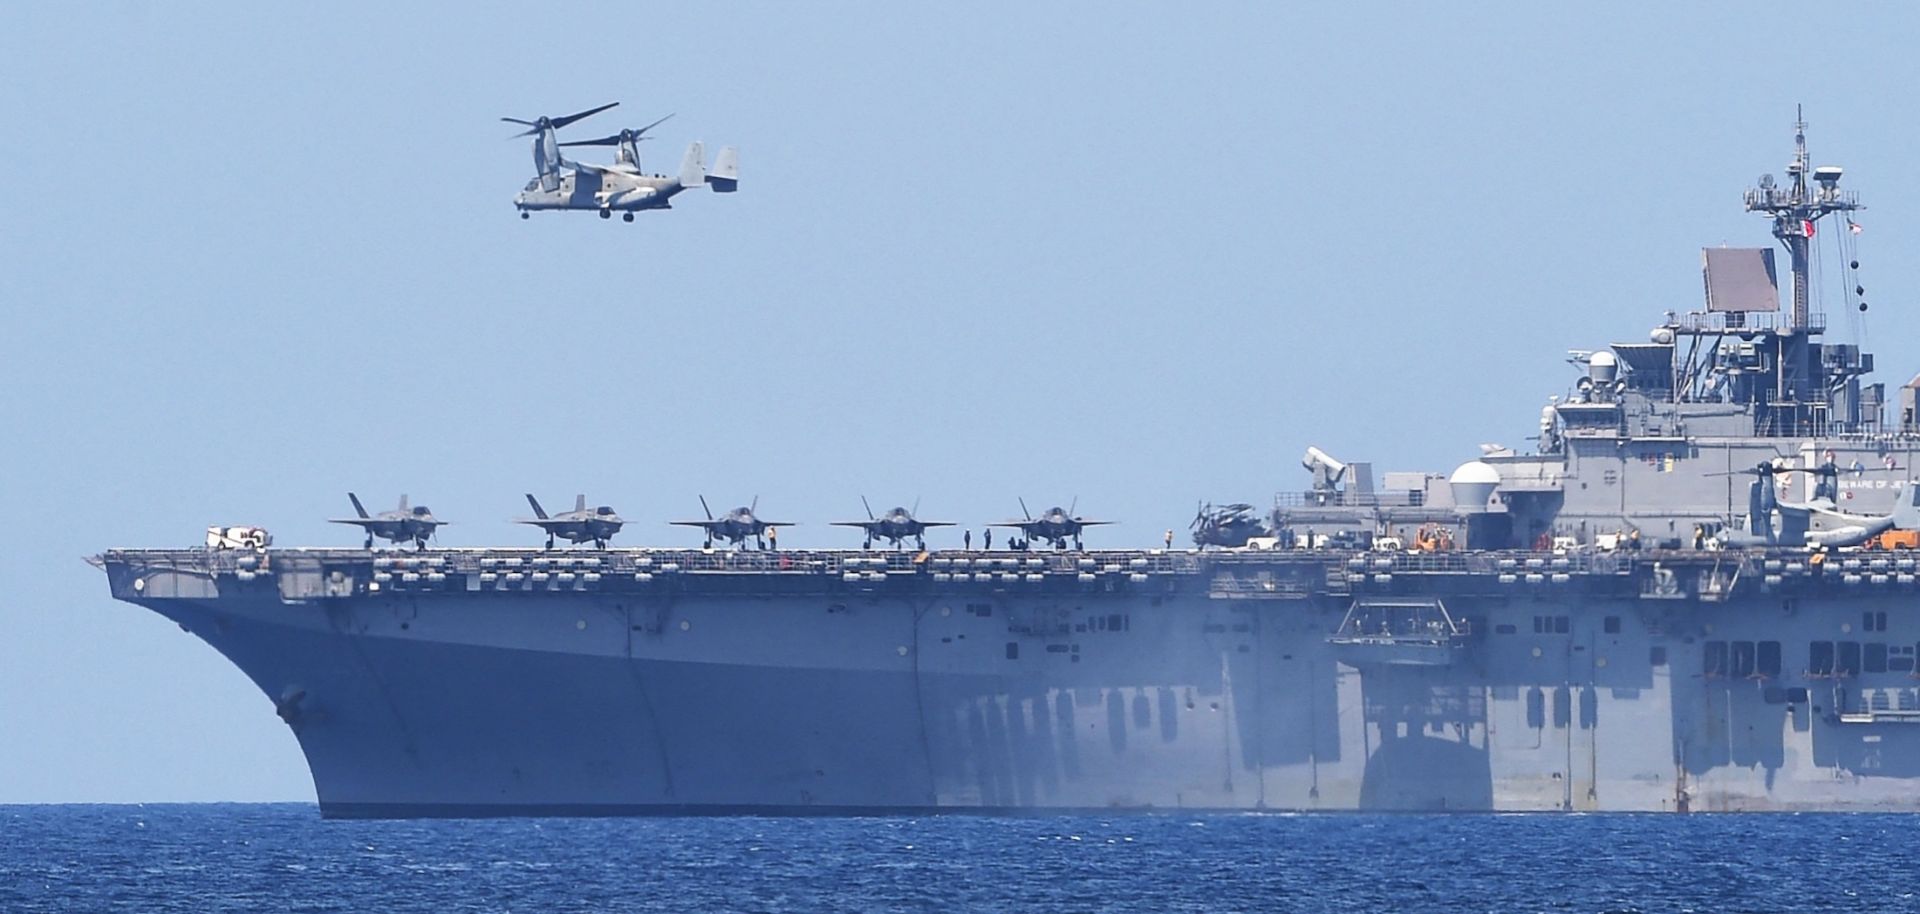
x=893, y=526
x=404, y=524
x=1056, y=525
x=579, y=525
x=1817, y=523
x=1229, y=526
x=735, y=526
x=560, y=184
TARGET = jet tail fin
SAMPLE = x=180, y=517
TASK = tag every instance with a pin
x=538, y=511
x=693, y=168
x=725, y=177
x=357, y=507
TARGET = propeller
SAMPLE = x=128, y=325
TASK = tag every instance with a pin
x=544, y=123
x=1199, y=516
x=1765, y=468
x=624, y=136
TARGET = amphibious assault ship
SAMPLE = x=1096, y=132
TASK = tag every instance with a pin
x=1665, y=606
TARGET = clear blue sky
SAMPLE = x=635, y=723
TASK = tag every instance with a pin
x=255, y=255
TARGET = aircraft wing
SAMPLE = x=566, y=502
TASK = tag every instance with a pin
x=710, y=524
x=584, y=166
x=778, y=523
x=1094, y=523
x=936, y=523
x=356, y=521
x=849, y=523
x=601, y=169
x=1022, y=524
x=544, y=523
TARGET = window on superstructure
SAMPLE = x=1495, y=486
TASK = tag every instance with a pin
x=1611, y=625
x=1536, y=708
x=1741, y=663
x=1873, y=622
x=1874, y=658
x=1714, y=664
x=1900, y=658
x=1848, y=663
x=1657, y=655
x=1820, y=658
x=1768, y=663
x=1562, y=707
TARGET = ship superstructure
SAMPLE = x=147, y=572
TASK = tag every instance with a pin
x=1587, y=626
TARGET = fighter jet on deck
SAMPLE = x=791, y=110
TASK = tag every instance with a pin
x=735, y=526
x=1056, y=525
x=893, y=526
x=578, y=525
x=401, y=525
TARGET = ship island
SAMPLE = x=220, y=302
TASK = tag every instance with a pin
x=1695, y=593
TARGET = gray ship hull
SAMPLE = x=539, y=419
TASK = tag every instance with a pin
x=1182, y=682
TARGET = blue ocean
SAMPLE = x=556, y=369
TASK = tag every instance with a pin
x=206, y=858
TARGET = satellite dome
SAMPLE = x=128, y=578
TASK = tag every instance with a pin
x=1473, y=484
x=1602, y=367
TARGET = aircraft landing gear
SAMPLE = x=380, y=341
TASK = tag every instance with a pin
x=525, y=215
x=606, y=214
x=369, y=546
x=549, y=542
x=921, y=541
x=626, y=217
x=868, y=545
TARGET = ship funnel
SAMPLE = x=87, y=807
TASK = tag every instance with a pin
x=1473, y=484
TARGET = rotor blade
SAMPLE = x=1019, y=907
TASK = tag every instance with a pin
x=560, y=122
x=863, y=504
x=515, y=120
x=603, y=141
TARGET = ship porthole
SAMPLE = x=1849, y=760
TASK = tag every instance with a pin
x=686, y=626
x=901, y=650
x=1536, y=652
x=581, y=625
x=944, y=610
x=139, y=584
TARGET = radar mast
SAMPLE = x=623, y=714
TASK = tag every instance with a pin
x=1795, y=210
